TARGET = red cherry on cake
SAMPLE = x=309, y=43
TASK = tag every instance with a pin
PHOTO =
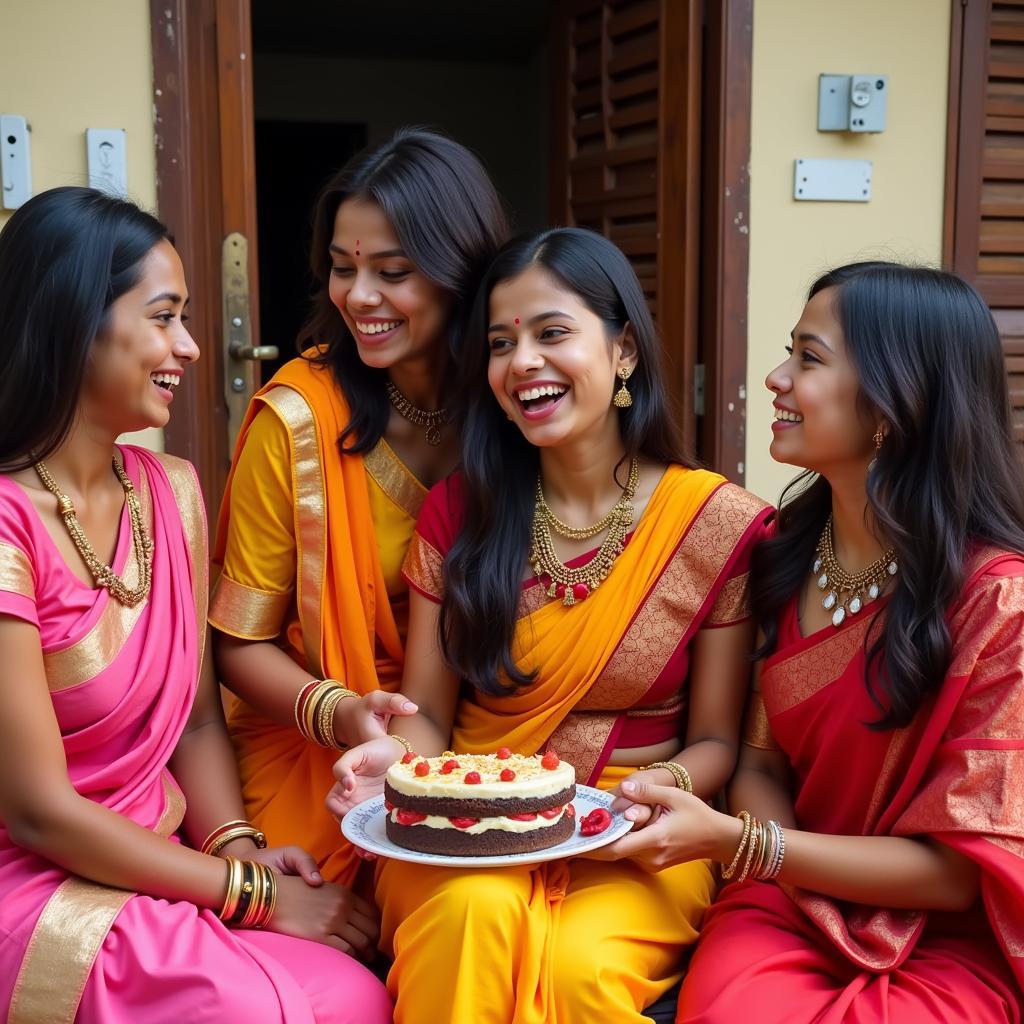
x=472, y=779
x=504, y=753
x=550, y=761
x=463, y=822
x=388, y=806
x=570, y=810
x=507, y=775
x=422, y=768
x=409, y=817
x=408, y=756
x=448, y=767
x=522, y=817
x=595, y=822
x=551, y=813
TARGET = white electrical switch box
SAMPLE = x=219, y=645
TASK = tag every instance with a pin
x=837, y=181
x=852, y=103
x=15, y=161
x=108, y=169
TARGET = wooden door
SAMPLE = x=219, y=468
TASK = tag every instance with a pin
x=206, y=193
x=984, y=223
x=650, y=146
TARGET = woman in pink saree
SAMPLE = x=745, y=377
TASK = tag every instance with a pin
x=882, y=875
x=111, y=740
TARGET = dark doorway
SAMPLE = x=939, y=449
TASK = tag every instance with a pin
x=293, y=161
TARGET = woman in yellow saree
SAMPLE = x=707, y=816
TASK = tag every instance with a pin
x=630, y=655
x=326, y=483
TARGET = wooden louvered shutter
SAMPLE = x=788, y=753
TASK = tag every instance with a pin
x=985, y=173
x=625, y=146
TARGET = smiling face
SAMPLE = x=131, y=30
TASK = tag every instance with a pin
x=394, y=312
x=138, y=359
x=552, y=366
x=819, y=423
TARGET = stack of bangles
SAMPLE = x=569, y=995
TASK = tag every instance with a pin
x=314, y=710
x=677, y=771
x=762, y=849
x=252, y=888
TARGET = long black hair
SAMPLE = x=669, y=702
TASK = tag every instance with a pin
x=66, y=256
x=450, y=221
x=483, y=570
x=948, y=474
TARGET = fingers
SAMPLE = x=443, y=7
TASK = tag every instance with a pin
x=364, y=854
x=343, y=770
x=298, y=862
x=339, y=944
x=648, y=793
x=640, y=814
x=364, y=907
x=361, y=931
x=380, y=702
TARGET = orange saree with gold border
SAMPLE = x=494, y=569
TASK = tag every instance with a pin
x=610, y=669
x=956, y=774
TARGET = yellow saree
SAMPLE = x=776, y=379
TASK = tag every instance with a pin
x=581, y=940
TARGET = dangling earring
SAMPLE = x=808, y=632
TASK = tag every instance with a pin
x=878, y=439
x=623, y=399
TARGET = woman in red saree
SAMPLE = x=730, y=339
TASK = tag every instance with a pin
x=111, y=739
x=637, y=669
x=885, y=734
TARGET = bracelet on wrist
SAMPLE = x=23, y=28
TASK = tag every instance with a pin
x=762, y=849
x=314, y=710
x=228, y=833
x=677, y=771
x=251, y=894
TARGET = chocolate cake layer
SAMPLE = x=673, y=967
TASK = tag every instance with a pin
x=494, y=843
x=449, y=807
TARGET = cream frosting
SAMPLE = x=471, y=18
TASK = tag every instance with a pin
x=484, y=824
x=532, y=781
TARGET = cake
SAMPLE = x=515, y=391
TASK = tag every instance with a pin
x=480, y=805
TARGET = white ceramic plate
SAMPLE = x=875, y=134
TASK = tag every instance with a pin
x=364, y=827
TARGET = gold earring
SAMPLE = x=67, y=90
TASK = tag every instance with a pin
x=878, y=439
x=623, y=399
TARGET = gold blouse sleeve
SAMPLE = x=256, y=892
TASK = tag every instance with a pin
x=256, y=587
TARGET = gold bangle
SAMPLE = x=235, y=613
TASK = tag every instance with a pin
x=752, y=848
x=405, y=743
x=744, y=839
x=256, y=899
x=678, y=772
x=234, y=890
x=300, y=702
x=218, y=840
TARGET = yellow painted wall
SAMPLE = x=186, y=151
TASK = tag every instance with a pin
x=68, y=65
x=792, y=242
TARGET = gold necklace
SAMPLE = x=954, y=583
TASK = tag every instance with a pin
x=142, y=545
x=848, y=592
x=432, y=420
x=576, y=584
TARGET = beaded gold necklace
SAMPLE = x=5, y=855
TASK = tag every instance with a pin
x=576, y=584
x=848, y=592
x=104, y=575
x=431, y=420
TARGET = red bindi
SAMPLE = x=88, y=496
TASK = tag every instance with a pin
x=516, y=321
x=357, y=246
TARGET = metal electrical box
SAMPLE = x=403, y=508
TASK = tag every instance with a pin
x=852, y=103
x=835, y=181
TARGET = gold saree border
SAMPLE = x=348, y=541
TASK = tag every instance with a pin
x=16, y=575
x=187, y=495
x=732, y=604
x=756, y=730
x=665, y=616
x=310, y=514
x=424, y=566
x=246, y=612
x=67, y=938
x=93, y=653
x=395, y=478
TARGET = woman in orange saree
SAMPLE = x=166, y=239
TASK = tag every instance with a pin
x=885, y=745
x=326, y=481
x=636, y=672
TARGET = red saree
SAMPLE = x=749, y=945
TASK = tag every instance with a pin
x=956, y=773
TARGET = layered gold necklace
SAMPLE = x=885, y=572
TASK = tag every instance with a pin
x=141, y=543
x=847, y=593
x=431, y=421
x=577, y=584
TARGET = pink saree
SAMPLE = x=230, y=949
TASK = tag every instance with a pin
x=956, y=774
x=122, y=683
